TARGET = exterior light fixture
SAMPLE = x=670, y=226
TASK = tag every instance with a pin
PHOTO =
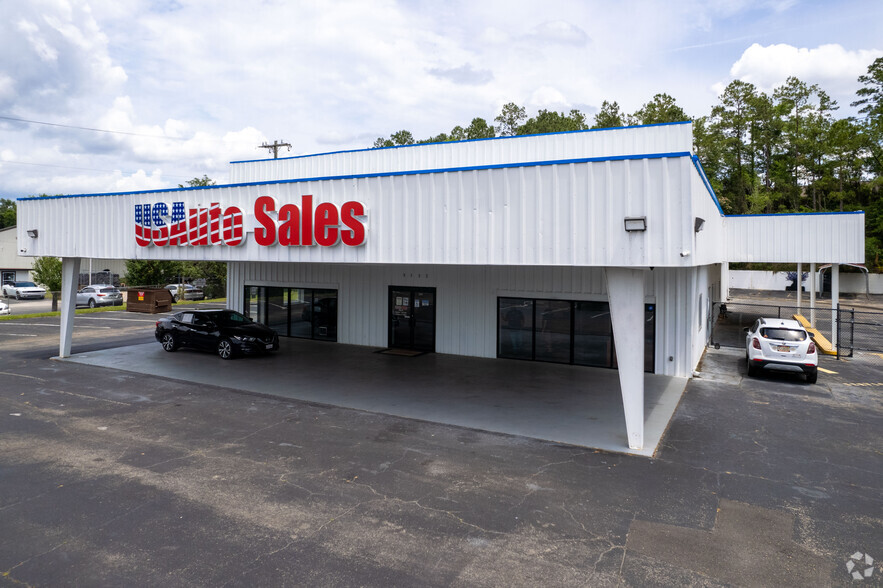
x=32, y=233
x=698, y=224
x=635, y=223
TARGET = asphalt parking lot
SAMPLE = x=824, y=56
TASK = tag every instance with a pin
x=110, y=478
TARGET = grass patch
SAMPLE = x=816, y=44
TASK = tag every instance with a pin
x=199, y=301
x=13, y=317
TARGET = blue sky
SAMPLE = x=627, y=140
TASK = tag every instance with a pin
x=189, y=85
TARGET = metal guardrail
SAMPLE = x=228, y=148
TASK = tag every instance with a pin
x=859, y=330
x=853, y=330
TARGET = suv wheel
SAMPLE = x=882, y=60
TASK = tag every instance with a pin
x=91, y=303
x=752, y=369
x=812, y=377
x=225, y=349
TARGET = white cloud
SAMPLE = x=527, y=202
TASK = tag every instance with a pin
x=560, y=31
x=548, y=98
x=465, y=74
x=831, y=66
x=37, y=42
x=140, y=180
x=202, y=82
x=57, y=58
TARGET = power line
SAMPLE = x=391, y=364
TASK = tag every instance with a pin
x=94, y=130
x=80, y=168
x=49, y=124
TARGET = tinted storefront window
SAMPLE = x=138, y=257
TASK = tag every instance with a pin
x=515, y=333
x=294, y=312
x=564, y=331
x=552, y=332
x=593, y=334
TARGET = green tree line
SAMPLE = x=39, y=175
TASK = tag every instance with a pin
x=147, y=272
x=785, y=151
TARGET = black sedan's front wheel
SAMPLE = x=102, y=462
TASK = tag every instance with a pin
x=168, y=342
x=225, y=349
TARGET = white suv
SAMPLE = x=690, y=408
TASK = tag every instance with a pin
x=781, y=344
x=99, y=295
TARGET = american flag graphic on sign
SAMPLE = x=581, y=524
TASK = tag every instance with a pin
x=142, y=225
x=195, y=226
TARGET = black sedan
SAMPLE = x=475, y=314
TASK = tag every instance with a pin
x=226, y=332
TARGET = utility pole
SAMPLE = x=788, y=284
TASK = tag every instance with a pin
x=275, y=147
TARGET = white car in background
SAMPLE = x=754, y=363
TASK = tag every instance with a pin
x=189, y=292
x=4, y=308
x=23, y=290
x=781, y=344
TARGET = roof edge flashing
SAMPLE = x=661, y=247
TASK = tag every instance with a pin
x=675, y=154
x=508, y=137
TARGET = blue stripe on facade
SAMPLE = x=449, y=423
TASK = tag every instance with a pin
x=705, y=181
x=794, y=214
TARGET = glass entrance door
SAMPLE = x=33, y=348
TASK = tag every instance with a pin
x=412, y=318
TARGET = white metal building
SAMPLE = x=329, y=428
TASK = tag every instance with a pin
x=542, y=248
x=16, y=267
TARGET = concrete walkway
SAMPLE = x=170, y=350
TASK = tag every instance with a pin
x=566, y=404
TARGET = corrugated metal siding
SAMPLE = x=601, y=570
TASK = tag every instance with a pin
x=466, y=317
x=674, y=339
x=600, y=143
x=708, y=244
x=544, y=215
x=792, y=238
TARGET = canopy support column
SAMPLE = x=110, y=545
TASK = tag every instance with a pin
x=812, y=294
x=835, y=302
x=799, y=285
x=725, y=281
x=70, y=278
x=625, y=291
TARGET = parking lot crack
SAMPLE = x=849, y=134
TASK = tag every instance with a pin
x=542, y=469
x=276, y=424
x=283, y=478
x=416, y=502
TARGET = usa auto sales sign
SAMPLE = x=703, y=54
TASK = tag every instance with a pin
x=324, y=224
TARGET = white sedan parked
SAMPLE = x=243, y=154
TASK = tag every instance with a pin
x=4, y=308
x=23, y=290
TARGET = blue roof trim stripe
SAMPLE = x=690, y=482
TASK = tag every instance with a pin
x=795, y=214
x=708, y=187
x=684, y=122
x=699, y=168
x=383, y=174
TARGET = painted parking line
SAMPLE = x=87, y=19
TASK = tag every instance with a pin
x=79, y=319
x=113, y=318
x=864, y=384
x=18, y=335
x=53, y=325
x=826, y=371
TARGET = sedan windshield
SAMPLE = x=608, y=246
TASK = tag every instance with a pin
x=783, y=334
x=25, y=285
x=230, y=318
